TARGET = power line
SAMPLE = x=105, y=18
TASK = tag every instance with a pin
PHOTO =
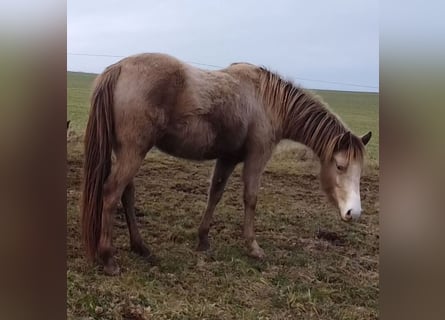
x=335, y=82
x=216, y=66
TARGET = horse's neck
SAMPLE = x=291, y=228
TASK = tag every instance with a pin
x=308, y=123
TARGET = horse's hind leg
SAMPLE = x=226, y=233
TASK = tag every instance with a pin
x=136, y=243
x=122, y=173
x=221, y=173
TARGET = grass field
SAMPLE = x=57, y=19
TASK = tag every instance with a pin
x=304, y=276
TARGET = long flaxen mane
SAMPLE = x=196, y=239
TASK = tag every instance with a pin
x=305, y=118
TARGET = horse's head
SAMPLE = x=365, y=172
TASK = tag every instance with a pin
x=340, y=177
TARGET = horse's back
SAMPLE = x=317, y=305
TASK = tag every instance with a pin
x=193, y=113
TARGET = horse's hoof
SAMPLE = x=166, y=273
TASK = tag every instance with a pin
x=144, y=252
x=111, y=269
x=151, y=259
x=257, y=253
x=141, y=250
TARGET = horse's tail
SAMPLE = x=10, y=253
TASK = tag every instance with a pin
x=97, y=159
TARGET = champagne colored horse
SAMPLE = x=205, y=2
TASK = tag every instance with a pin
x=237, y=114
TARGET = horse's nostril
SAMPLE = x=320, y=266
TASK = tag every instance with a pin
x=348, y=214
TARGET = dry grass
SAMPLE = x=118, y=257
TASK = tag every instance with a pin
x=302, y=277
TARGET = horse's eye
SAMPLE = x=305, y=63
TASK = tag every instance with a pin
x=341, y=168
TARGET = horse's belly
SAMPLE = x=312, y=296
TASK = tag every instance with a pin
x=192, y=147
x=199, y=140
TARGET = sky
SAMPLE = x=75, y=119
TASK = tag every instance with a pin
x=318, y=44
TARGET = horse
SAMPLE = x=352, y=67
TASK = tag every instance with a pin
x=236, y=114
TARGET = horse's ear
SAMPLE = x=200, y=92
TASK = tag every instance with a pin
x=366, y=138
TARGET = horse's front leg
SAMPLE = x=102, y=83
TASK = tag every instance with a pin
x=253, y=169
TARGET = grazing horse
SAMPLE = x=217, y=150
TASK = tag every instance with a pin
x=237, y=114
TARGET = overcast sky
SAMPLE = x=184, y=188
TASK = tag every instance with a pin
x=332, y=41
